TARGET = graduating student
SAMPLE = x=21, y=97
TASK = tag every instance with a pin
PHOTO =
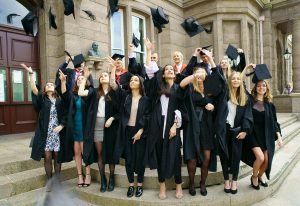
x=101, y=127
x=239, y=121
x=77, y=114
x=132, y=132
x=179, y=66
x=163, y=143
x=259, y=150
x=198, y=138
x=49, y=132
x=72, y=74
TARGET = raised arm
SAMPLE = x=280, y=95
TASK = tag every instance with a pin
x=81, y=91
x=148, y=45
x=186, y=81
x=32, y=83
x=62, y=78
x=112, y=81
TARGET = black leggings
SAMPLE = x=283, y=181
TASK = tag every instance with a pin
x=234, y=151
x=130, y=175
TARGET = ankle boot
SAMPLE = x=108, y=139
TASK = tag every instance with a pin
x=111, y=183
x=103, y=183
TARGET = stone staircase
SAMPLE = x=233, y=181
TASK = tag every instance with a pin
x=22, y=180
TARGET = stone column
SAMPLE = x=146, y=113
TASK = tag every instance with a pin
x=296, y=55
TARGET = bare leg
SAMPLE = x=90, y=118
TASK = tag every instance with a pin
x=259, y=159
x=78, y=161
x=264, y=166
x=162, y=191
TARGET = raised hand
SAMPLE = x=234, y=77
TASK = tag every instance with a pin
x=29, y=69
x=86, y=72
x=148, y=44
x=130, y=48
x=197, y=51
x=62, y=76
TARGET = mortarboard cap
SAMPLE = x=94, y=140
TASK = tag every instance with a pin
x=52, y=17
x=204, y=47
x=212, y=85
x=29, y=23
x=113, y=7
x=192, y=26
x=117, y=56
x=232, y=52
x=261, y=72
x=135, y=41
x=90, y=14
x=69, y=7
x=159, y=18
x=77, y=60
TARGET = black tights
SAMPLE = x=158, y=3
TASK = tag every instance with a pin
x=101, y=166
x=204, y=166
x=49, y=155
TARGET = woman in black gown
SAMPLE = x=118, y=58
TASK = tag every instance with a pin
x=101, y=127
x=198, y=140
x=132, y=131
x=266, y=131
x=49, y=131
x=239, y=122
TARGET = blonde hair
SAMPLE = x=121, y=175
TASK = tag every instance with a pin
x=267, y=96
x=228, y=70
x=239, y=96
x=199, y=87
x=179, y=54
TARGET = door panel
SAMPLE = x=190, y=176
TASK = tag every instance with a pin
x=3, y=49
x=23, y=118
x=21, y=49
x=4, y=120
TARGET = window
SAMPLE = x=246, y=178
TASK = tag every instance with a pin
x=9, y=8
x=139, y=30
x=3, y=93
x=117, y=33
x=18, y=85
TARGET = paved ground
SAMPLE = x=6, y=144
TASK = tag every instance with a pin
x=288, y=193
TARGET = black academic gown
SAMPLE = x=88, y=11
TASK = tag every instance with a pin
x=142, y=118
x=109, y=139
x=244, y=120
x=271, y=127
x=171, y=157
x=42, y=105
x=69, y=99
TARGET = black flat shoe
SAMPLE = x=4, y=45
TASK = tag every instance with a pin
x=111, y=183
x=227, y=190
x=192, y=190
x=139, y=191
x=264, y=184
x=254, y=186
x=233, y=191
x=203, y=190
x=130, y=191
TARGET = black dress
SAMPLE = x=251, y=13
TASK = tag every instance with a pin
x=258, y=139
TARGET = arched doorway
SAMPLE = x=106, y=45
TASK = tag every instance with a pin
x=16, y=111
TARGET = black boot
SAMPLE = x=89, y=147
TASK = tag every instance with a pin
x=103, y=183
x=111, y=183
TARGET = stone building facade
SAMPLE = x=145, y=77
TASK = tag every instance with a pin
x=264, y=29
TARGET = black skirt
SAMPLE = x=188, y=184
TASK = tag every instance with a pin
x=206, y=131
x=134, y=153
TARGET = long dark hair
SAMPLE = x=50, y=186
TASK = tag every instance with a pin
x=100, y=91
x=142, y=88
x=55, y=95
x=164, y=87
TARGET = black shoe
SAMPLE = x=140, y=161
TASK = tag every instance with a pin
x=111, y=183
x=233, y=191
x=203, y=190
x=139, y=191
x=103, y=184
x=192, y=190
x=130, y=191
x=264, y=184
x=227, y=190
x=254, y=186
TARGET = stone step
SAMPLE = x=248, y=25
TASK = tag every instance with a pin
x=60, y=195
x=214, y=178
x=28, y=180
x=283, y=162
x=285, y=119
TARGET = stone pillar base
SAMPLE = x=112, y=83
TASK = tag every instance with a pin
x=287, y=103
